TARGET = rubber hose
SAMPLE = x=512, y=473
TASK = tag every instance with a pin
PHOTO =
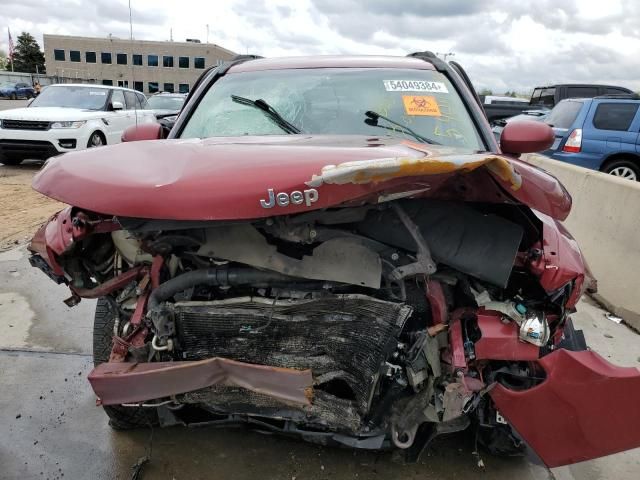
x=216, y=277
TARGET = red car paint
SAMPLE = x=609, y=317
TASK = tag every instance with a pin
x=146, y=131
x=223, y=178
x=586, y=408
x=122, y=382
x=517, y=137
x=53, y=238
x=562, y=260
x=499, y=340
x=438, y=303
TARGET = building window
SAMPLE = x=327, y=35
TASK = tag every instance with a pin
x=198, y=62
x=138, y=86
x=90, y=57
x=58, y=55
x=183, y=88
x=121, y=58
x=167, y=61
x=74, y=55
x=168, y=87
x=152, y=60
x=137, y=59
x=183, y=62
x=105, y=57
x=123, y=83
x=153, y=86
x=107, y=82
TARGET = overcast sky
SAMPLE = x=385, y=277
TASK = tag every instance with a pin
x=503, y=44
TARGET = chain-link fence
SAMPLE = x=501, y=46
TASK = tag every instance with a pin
x=32, y=78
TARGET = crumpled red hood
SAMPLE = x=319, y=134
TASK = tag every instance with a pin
x=226, y=178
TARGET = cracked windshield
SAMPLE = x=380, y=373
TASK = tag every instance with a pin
x=418, y=105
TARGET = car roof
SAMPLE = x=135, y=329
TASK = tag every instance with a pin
x=331, y=61
x=602, y=98
x=93, y=85
x=583, y=85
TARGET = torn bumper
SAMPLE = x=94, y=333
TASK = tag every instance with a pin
x=586, y=408
x=119, y=382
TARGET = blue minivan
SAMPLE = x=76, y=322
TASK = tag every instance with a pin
x=600, y=133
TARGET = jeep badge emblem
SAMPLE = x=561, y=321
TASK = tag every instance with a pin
x=283, y=199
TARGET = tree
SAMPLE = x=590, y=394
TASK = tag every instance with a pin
x=486, y=91
x=4, y=61
x=27, y=55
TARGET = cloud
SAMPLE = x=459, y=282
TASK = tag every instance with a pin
x=504, y=45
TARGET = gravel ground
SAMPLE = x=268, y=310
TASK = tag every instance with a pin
x=22, y=209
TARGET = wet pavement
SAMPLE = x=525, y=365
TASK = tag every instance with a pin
x=50, y=427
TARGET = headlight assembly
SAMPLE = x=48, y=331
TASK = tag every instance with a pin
x=68, y=124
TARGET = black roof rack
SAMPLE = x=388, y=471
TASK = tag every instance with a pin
x=620, y=96
x=431, y=58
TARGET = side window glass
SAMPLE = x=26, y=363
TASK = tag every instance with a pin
x=130, y=97
x=614, y=116
x=117, y=96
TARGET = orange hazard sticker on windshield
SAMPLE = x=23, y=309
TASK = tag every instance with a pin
x=421, y=105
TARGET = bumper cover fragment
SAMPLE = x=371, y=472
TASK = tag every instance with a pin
x=119, y=382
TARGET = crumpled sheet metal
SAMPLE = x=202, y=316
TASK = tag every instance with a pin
x=383, y=169
x=120, y=382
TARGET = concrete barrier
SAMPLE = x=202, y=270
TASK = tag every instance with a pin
x=605, y=220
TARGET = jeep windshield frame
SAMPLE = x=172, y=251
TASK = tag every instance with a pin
x=334, y=101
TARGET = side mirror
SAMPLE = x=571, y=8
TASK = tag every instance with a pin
x=526, y=137
x=117, y=106
x=144, y=131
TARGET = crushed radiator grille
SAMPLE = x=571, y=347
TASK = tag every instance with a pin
x=343, y=338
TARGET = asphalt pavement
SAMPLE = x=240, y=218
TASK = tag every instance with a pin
x=8, y=104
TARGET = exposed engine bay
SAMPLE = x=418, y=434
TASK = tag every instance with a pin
x=403, y=315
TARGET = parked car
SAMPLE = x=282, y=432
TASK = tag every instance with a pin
x=336, y=248
x=166, y=104
x=502, y=100
x=68, y=117
x=528, y=115
x=13, y=91
x=544, y=98
x=599, y=133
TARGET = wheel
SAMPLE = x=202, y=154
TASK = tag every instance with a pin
x=623, y=168
x=13, y=96
x=120, y=418
x=10, y=161
x=96, y=140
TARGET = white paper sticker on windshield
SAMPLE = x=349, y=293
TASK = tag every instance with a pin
x=414, y=86
x=102, y=94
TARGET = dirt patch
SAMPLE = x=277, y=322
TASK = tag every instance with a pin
x=22, y=209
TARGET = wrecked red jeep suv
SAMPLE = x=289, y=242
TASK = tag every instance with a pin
x=336, y=248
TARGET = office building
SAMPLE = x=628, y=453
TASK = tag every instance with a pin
x=146, y=66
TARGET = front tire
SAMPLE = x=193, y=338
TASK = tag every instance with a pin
x=96, y=140
x=623, y=168
x=120, y=418
x=13, y=96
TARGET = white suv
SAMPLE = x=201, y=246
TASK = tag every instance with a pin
x=69, y=117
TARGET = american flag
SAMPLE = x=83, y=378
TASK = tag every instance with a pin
x=10, y=45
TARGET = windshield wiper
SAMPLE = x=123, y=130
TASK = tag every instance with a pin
x=269, y=111
x=373, y=117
